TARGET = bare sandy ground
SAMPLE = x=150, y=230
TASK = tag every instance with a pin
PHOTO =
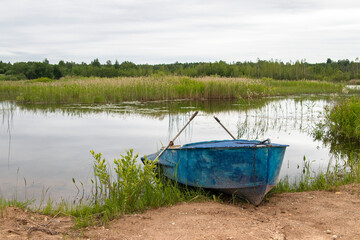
x=306, y=215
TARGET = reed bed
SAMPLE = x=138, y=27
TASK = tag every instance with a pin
x=116, y=90
x=303, y=87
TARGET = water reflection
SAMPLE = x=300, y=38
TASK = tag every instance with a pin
x=46, y=146
x=289, y=121
x=7, y=110
x=346, y=152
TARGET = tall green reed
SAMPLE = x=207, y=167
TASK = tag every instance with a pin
x=115, y=90
x=337, y=175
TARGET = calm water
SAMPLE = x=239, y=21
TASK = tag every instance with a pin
x=42, y=149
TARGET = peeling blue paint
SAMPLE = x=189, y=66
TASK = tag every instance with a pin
x=246, y=168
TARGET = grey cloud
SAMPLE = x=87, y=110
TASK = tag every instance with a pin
x=167, y=31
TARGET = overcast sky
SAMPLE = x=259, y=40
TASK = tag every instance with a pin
x=166, y=31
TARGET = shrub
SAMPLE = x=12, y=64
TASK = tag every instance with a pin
x=342, y=121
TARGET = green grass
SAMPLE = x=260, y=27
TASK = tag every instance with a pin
x=322, y=181
x=14, y=203
x=126, y=187
x=123, y=187
x=116, y=90
x=339, y=175
x=4, y=203
x=283, y=88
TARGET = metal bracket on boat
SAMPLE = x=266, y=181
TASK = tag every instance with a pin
x=263, y=142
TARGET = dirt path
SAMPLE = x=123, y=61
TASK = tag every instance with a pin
x=307, y=215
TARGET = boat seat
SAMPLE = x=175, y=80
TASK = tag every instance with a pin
x=174, y=147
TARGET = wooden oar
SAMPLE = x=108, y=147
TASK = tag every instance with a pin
x=172, y=141
x=224, y=127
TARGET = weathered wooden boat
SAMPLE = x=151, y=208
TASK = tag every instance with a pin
x=249, y=169
x=245, y=168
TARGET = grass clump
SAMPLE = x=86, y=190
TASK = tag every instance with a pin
x=4, y=203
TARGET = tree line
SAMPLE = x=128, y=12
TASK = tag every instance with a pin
x=330, y=70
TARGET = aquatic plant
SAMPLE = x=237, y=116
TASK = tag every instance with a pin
x=342, y=122
x=302, y=87
x=340, y=130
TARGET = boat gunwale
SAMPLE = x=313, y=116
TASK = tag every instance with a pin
x=238, y=147
x=240, y=143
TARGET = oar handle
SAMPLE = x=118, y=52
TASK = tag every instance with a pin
x=224, y=127
x=217, y=119
x=172, y=141
x=192, y=117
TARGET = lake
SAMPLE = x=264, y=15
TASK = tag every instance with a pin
x=42, y=148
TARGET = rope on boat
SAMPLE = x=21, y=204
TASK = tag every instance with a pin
x=254, y=178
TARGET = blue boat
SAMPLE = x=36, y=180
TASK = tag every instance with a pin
x=248, y=169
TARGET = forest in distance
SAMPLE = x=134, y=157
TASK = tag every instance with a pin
x=341, y=70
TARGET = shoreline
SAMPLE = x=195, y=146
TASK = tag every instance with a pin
x=300, y=215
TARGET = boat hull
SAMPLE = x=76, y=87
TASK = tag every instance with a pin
x=248, y=170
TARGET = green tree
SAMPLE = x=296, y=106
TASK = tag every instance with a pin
x=95, y=63
x=116, y=64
